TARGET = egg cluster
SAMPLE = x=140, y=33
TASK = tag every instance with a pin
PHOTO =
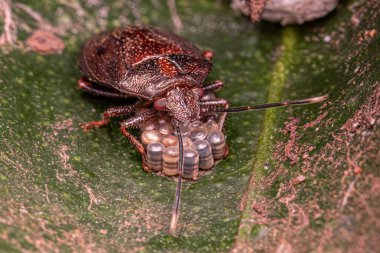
x=203, y=145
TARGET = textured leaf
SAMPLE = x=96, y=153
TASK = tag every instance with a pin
x=64, y=190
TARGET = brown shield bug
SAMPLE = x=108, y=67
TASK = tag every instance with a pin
x=180, y=117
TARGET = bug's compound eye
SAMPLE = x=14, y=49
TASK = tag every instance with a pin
x=199, y=91
x=160, y=104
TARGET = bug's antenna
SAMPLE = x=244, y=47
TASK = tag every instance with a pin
x=277, y=104
x=177, y=198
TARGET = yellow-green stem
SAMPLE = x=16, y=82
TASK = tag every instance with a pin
x=262, y=154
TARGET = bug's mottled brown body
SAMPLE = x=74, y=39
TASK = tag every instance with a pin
x=142, y=61
x=166, y=73
x=153, y=65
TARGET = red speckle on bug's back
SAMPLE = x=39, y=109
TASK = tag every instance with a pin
x=141, y=43
x=167, y=68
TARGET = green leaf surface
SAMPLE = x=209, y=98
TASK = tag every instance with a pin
x=65, y=190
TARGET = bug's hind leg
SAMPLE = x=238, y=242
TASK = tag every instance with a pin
x=208, y=54
x=94, y=89
x=136, y=121
x=111, y=113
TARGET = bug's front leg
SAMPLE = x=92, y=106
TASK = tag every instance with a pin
x=214, y=86
x=208, y=105
x=137, y=121
x=111, y=113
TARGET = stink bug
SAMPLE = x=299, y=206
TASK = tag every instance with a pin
x=181, y=119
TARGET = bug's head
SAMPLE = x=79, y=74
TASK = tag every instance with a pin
x=181, y=103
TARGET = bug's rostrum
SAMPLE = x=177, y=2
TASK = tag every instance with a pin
x=177, y=198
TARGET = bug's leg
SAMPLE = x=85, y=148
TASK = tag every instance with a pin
x=208, y=54
x=214, y=86
x=87, y=86
x=208, y=104
x=111, y=113
x=136, y=121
